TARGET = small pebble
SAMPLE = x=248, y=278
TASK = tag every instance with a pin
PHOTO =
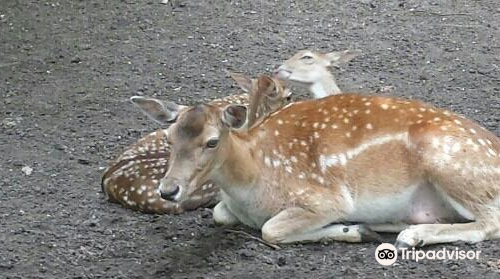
x=27, y=170
x=83, y=161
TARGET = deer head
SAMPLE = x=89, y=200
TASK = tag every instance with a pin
x=311, y=68
x=133, y=178
x=199, y=131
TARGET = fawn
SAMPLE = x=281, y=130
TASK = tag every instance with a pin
x=133, y=178
x=388, y=164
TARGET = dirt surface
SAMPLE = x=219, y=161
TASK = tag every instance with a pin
x=67, y=69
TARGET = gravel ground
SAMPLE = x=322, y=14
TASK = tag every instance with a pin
x=67, y=69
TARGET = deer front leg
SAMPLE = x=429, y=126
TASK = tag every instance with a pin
x=300, y=225
x=222, y=215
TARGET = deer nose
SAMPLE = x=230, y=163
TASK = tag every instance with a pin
x=170, y=196
x=169, y=192
x=277, y=71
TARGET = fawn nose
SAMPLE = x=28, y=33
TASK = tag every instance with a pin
x=169, y=191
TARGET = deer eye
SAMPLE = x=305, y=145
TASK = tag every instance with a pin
x=212, y=143
x=306, y=57
x=288, y=94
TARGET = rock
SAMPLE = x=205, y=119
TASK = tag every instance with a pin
x=83, y=161
x=281, y=261
x=27, y=170
x=59, y=146
x=9, y=123
x=246, y=254
x=206, y=213
x=6, y=266
x=90, y=223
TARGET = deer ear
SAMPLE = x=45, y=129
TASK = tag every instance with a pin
x=272, y=88
x=243, y=81
x=264, y=82
x=159, y=111
x=341, y=57
x=267, y=86
x=234, y=116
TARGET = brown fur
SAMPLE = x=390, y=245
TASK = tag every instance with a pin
x=147, y=167
x=144, y=164
x=316, y=162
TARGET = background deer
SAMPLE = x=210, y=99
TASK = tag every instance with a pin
x=311, y=68
x=133, y=178
x=388, y=164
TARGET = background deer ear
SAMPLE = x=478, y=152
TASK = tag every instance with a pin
x=243, y=81
x=341, y=57
x=234, y=116
x=159, y=111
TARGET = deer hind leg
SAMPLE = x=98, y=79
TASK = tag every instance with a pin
x=300, y=225
x=461, y=166
x=426, y=234
x=388, y=228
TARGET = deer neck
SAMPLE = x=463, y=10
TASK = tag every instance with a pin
x=325, y=86
x=238, y=168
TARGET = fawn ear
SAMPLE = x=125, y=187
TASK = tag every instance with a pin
x=267, y=86
x=159, y=111
x=234, y=116
x=341, y=57
x=243, y=81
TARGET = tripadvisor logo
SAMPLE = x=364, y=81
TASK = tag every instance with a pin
x=386, y=254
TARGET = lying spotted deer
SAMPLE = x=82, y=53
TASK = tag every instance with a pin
x=388, y=164
x=133, y=178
